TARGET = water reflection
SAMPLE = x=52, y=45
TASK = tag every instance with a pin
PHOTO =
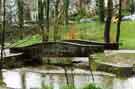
x=34, y=80
x=124, y=83
x=12, y=79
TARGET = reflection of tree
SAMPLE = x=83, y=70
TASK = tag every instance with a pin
x=23, y=79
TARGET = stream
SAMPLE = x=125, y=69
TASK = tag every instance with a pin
x=54, y=76
x=35, y=80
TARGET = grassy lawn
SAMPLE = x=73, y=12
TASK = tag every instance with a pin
x=89, y=31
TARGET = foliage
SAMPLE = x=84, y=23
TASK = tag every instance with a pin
x=91, y=86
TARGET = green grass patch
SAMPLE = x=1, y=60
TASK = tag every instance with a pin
x=27, y=41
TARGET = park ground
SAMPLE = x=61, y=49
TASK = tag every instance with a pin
x=93, y=31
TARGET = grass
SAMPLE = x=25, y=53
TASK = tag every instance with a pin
x=127, y=35
x=90, y=31
x=27, y=41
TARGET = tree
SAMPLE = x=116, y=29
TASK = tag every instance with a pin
x=101, y=10
x=41, y=5
x=0, y=5
x=119, y=22
x=3, y=38
x=108, y=21
x=56, y=20
x=47, y=19
x=132, y=6
x=20, y=4
x=66, y=7
x=41, y=17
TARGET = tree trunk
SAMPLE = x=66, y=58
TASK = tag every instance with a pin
x=101, y=10
x=119, y=22
x=56, y=20
x=41, y=18
x=47, y=20
x=20, y=4
x=66, y=4
x=108, y=22
x=0, y=7
x=3, y=39
x=132, y=7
